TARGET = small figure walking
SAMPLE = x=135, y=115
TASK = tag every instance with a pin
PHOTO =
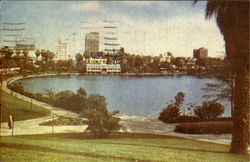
x=10, y=123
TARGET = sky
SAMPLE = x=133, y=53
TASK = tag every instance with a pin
x=143, y=27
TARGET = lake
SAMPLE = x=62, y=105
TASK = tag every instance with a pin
x=137, y=96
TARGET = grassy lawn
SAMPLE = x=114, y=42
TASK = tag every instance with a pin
x=20, y=109
x=119, y=147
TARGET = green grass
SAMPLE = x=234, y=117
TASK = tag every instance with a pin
x=21, y=110
x=119, y=147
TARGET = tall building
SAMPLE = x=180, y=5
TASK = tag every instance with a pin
x=9, y=33
x=92, y=42
x=200, y=53
x=27, y=44
x=62, y=51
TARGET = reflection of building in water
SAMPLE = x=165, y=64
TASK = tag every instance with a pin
x=100, y=65
x=92, y=42
x=62, y=51
x=200, y=53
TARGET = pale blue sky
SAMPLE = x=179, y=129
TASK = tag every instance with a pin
x=144, y=27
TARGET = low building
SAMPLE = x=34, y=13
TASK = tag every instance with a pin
x=96, y=61
x=99, y=65
x=99, y=68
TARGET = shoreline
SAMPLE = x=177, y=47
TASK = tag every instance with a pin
x=139, y=124
x=178, y=74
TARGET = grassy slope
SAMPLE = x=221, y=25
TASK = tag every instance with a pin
x=20, y=109
x=123, y=147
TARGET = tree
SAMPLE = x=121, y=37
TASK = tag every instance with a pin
x=179, y=99
x=171, y=113
x=44, y=55
x=178, y=62
x=82, y=91
x=51, y=56
x=101, y=123
x=96, y=101
x=223, y=88
x=86, y=56
x=219, y=90
x=51, y=94
x=25, y=56
x=6, y=53
x=233, y=21
x=79, y=59
x=18, y=52
x=65, y=65
x=38, y=53
x=170, y=54
x=17, y=57
x=201, y=62
x=122, y=50
x=209, y=110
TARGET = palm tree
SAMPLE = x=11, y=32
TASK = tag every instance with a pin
x=38, y=53
x=79, y=58
x=18, y=52
x=25, y=55
x=79, y=61
x=44, y=55
x=86, y=56
x=233, y=21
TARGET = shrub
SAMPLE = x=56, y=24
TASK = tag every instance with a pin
x=28, y=94
x=218, y=127
x=17, y=87
x=209, y=110
x=101, y=123
x=82, y=91
x=70, y=101
x=170, y=114
x=97, y=101
x=63, y=121
x=187, y=119
x=38, y=96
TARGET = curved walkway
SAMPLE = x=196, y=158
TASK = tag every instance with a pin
x=131, y=123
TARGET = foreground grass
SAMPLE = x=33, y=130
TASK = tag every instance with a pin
x=119, y=147
x=21, y=110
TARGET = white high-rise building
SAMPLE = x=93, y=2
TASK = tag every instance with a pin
x=62, y=51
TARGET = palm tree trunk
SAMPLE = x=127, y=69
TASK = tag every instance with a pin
x=240, y=137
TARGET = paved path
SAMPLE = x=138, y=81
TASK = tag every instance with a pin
x=131, y=123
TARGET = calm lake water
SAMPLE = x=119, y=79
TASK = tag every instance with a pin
x=140, y=96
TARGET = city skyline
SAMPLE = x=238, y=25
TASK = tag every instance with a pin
x=145, y=27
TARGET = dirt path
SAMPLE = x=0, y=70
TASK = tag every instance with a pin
x=131, y=123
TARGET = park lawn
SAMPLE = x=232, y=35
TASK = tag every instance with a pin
x=118, y=147
x=21, y=110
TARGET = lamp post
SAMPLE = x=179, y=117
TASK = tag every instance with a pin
x=32, y=92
